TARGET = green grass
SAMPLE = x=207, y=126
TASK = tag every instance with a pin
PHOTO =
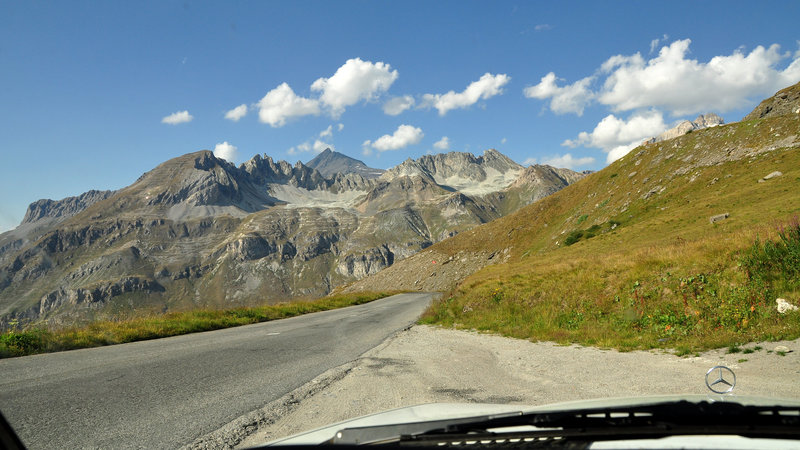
x=39, y=340
x=643, y=301
x=650, y=271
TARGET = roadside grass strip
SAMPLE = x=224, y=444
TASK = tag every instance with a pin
x=109, y=332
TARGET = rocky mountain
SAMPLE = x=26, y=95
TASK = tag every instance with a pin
x=199, y=231
x=702, y=121
x=44, y=214
x=329, y=163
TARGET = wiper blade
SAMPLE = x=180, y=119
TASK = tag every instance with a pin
x=629, y=422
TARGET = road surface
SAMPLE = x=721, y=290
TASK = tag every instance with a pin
x=166, y=393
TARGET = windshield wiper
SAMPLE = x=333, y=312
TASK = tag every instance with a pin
x=594, y=424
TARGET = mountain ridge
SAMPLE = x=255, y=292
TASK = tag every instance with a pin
x=198, y=231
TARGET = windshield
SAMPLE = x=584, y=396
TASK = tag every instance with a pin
x=226, y=223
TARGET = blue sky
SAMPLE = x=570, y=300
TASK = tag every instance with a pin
x=96, y=93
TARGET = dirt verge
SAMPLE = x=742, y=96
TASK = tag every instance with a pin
x=427, y=364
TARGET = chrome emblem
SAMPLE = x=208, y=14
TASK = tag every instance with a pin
x=720, y=379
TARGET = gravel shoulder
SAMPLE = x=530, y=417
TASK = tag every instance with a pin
x=427, y=364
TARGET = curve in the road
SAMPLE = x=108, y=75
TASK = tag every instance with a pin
x=167, y=392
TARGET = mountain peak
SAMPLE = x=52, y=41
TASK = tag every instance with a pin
x=329, y=163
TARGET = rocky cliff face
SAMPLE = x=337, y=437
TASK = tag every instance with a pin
x=63, y=209
x=199, y=231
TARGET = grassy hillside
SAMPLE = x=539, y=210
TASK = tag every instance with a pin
x=628, y=258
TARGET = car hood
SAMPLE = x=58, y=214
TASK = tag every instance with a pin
x=447, y=411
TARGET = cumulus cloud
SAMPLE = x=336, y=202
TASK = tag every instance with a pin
x=304, y=147
x=282, y=103
x=404, y=136
x=567, y=161
x=443, y=143
x=177, y=117
x=319, y=144
x=236, y=113
x=340, y=126
x=617, y=136
x=226, y=151
x=397, y=105
x=571, y=98
x=354, y=81
x=673, y=82
x=686, y=86
x=486, y=87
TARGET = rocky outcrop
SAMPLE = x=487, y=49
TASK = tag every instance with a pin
x=702, y=121
x=87, y=298
x=786, y=101
x=263, y=171
x=447, y=168
x=64, y=208
x=367, y=263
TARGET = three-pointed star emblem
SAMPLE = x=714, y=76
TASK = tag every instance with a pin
x=720, y=379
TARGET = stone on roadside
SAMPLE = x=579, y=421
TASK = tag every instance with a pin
x=782, y=349
x=783, y=306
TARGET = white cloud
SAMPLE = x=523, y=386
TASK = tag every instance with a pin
x=443, y=143
x=571, y=98
x=365, y=148
x=304, y=147
x=177, y=117
x=486, y=87
x=226, y=151
x=617, y=136
x=397, y=105
x=686, y=86
x=529, y=161
x=404, y=136
x=543, y=27
x=320, y=146
x=340, y=126
x=354, y=81
x=236, y=113
x=654, y=43
x=673, y=82
x=567, y=161
x=503, y=141
x=282, y=103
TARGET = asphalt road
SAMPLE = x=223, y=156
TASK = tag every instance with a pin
x=166, y=393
